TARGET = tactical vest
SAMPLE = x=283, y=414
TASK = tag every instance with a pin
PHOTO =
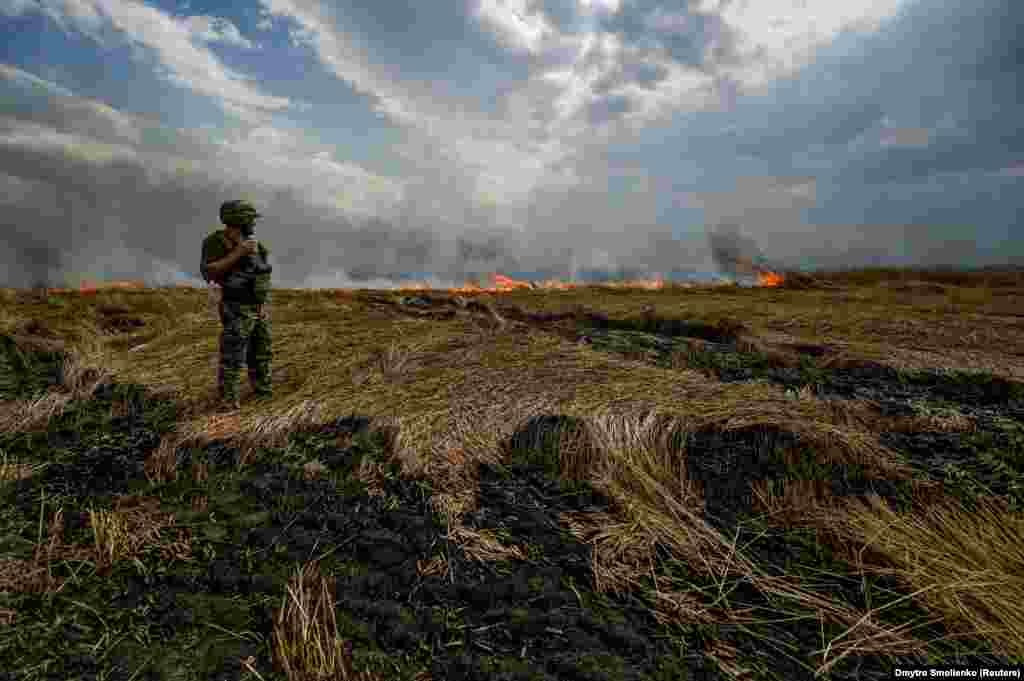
x=248, y=282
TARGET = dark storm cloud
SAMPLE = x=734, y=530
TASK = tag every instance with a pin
x=941, y=155
x=949, y=68
x=908, y=133
x=981, y=99
x=816, y=108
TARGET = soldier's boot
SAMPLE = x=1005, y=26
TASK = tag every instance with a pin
x=229, y=406
x=259, y=379
x=229, y=391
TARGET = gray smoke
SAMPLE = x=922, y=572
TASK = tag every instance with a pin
x=734, y=253
x=38, y=263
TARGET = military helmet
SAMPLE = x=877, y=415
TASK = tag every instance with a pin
x=237, y=213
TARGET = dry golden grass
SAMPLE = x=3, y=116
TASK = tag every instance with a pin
x=448, y=393
x=305, y=642
x=965, y=565
x=135, y=525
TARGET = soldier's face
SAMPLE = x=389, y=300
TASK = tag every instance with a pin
x=234, y=232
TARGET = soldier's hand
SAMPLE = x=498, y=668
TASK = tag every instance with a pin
x=248, y=247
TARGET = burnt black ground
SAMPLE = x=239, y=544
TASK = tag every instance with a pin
x=510, y=620
x=988, y=461
x=533, y=619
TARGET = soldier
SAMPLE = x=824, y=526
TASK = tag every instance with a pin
x=240, y=266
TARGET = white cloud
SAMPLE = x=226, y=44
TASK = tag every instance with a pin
x=772, y=39
x=261, y=155
x=216, y=30
x=561, y=92
x=466, y=140
x=102, y=120
x=190, y=66
x=280, y=158
x=598, y=55
x=684, y=89
x=512, y=20
x=775, y=37
x=173, y=41
x=80, y=15
x=39, y=138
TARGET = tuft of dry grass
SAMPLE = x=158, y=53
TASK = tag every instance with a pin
x=305, y=642
x=84, y=368
x=965, y=565
x=135, y=525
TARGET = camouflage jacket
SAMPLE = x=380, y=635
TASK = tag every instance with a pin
x=240, y=286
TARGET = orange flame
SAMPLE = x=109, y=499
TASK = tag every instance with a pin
x=768, y=278
x=503, y=284
x=88, y=288
x=506, y=283
x=648, y=284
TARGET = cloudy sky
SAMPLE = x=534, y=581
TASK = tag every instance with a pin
x=533, y=137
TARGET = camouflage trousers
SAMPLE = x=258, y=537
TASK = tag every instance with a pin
x=245, y=340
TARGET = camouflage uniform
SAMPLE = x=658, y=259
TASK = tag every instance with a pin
x=246, y=296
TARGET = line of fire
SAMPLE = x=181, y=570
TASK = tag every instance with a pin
x=500, y=284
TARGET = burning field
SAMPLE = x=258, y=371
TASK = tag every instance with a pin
x=806, y=478
x=499, y=284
